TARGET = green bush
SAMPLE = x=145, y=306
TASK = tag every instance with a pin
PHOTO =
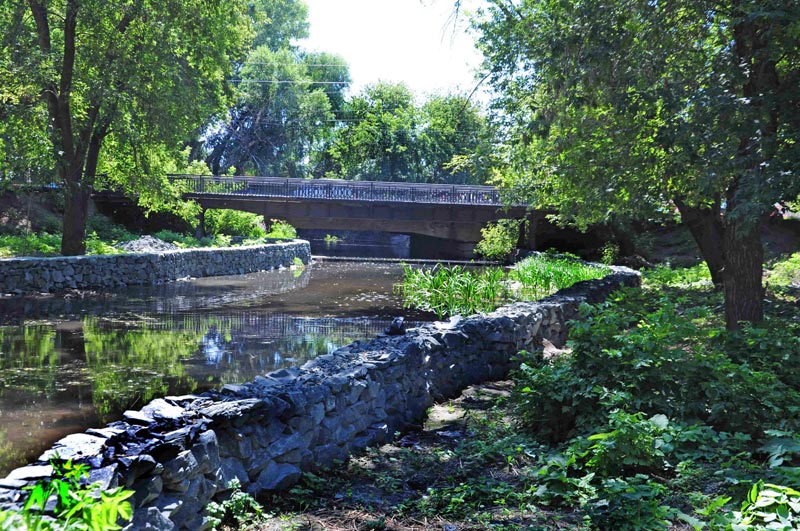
x=42, y=244
x=658, y=408
x=235, y=223
x=659, y=357
x=769, y=508
x=498, y=239
x=281, y=229
x=786, y=272
x=102, y=228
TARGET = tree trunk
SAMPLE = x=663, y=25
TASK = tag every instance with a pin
x=705, y=225
x=744, y=259
x=76, y=203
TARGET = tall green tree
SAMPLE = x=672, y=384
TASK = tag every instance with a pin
x=456, y=141
x=628, y=107
x=278, y=23
x=377, y=138
x=137, y=75
x=281, y=115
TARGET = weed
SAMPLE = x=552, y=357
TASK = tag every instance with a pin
x=78, y=507
x=240, y=507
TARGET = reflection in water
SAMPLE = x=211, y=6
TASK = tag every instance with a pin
x=66, y=365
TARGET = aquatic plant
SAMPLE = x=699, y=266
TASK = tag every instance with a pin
x=460, y=290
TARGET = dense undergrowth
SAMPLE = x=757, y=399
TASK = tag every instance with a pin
x=460, y=290
x=654, y=418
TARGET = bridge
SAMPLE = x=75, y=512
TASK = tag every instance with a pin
x=450, y=212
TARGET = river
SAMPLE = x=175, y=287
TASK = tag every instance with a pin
x=70, y=363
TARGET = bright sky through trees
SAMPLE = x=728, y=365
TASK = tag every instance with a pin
x=409, y=41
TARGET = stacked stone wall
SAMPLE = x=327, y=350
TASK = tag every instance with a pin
x=105, y=272
x=179, y=453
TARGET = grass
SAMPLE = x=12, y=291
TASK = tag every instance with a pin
x=459, y=290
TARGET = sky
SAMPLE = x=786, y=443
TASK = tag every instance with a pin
x=412, y=41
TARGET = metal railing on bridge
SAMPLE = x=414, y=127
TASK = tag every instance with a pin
x=339, y=190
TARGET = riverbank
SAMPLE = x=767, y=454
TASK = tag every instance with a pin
x=266, y=432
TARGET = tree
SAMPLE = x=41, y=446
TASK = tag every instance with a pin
x=377, y=140
x=626, y=108
x=140, y=76
x=282, y=114
x=457, y=141
x=278, y=23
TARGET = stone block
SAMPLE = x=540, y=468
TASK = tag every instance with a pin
x=149, y=519
x=276, y=477
x=181, y=468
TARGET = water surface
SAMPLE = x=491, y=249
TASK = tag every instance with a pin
x=70, y=363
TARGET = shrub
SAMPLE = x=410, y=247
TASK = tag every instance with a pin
x=42, y=244
x=281, y=229
x=659, y=357
x=102, y=228
x=235, y=223
x=786, y=272
x=498, y=239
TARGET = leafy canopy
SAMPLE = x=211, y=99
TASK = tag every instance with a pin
x=619, y=107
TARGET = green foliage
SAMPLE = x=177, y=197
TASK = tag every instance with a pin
x=656, y=403
x=670, y=360
x=281, y=229
x=331, y=239
x=498, y=239
x=633, y=444
x=120, y=88
x=786, y=272
x=453, y=290
x=281, y=117
x=43, y=244
x=97, y=246
x=235, y=223
x=684, y=277
x=629, y=504
x=610, y=253
x=459, y=290
x=626, y=110
x=102, y=228
x=238, y=509
x=768, y=508
x=386, y=136
x=77, y=508
x=543, y=274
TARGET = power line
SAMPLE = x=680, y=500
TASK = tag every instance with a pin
x=289, y=82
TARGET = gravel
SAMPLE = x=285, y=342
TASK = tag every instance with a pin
x=146, y=244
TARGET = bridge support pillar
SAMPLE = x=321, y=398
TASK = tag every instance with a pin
x=200, y=231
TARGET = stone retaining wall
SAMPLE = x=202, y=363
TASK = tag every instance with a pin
x=103, y=272
x=179, y=453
